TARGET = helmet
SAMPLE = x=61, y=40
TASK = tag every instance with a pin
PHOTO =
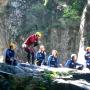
x=39, y=34
x=73, y=55
x=88, y=48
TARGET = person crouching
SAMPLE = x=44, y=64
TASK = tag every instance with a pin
x=87, y=57
x=53, y=60
x=72, y=63
x=40, y=56
x=10, y=55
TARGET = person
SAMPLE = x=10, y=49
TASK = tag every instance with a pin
x=10, y=55
x=87, y=57
x=72, y=63
x=29, y=44
x=41, y=56
x=53, y=60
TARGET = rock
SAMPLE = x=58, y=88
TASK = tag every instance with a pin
x=70, y=85
x=31, y=77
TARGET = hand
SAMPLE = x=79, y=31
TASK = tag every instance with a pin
x=24, y=45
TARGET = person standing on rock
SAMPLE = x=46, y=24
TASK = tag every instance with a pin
x=53, y=60
x=29, y=44
x=87, y=57
x=72, y=63
x=41, y=56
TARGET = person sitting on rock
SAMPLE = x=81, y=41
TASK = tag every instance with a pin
x=41, y=56
x=72, y=63
x=53, y=60
x=29, y=44
x=87, y=57
x=10, y=54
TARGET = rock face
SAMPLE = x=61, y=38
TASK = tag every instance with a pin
x=24, y=17
x=29, y=77
x=65, y=41
x=3, y=30
x=30, y=16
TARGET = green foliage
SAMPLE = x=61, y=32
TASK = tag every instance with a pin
x=74, y=9
x=50, y=75
x=78, y=4
x=47, y=75
x=70, y=13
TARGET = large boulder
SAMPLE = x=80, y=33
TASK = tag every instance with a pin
x=31, y=77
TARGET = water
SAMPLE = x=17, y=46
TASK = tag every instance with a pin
x=88, y=1
x=81, y=52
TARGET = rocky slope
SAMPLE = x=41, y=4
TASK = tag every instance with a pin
x=29, y=77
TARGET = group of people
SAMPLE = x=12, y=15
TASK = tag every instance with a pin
x=40, y=58
x=53, y=60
